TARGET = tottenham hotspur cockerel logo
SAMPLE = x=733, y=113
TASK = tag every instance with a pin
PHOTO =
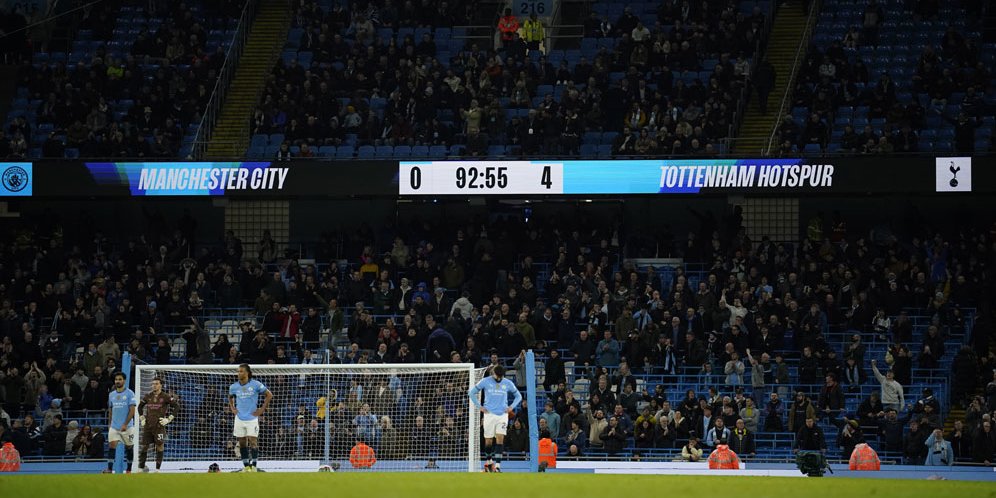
x=15, y=178
x=952, y=174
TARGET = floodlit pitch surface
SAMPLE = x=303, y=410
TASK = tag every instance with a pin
x=443, y=485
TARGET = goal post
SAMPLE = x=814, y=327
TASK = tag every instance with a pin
x=415, y=417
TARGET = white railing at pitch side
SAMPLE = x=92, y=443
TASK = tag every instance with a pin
x=800, y=52
x=225, y=75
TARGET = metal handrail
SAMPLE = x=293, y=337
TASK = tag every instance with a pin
x=759, y=47
x=225, y=76
x=789, y=90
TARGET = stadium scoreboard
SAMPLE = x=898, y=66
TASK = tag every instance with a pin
x=335, y=178
x=481, y=178
x=608, y=177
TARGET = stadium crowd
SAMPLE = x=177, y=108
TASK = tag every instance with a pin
x=134, y=84
x=71, y=307
x=885, y=85
x=673, y=86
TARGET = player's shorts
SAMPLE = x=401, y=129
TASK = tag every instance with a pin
x=126, y=437
x=154, y=435
x=495, y=424
x=246, y=428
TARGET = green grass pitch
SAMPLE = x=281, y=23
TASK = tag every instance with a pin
x=442, y=485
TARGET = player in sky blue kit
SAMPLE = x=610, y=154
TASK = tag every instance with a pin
x=496, y=411
x=121, y=404
x=243, y=399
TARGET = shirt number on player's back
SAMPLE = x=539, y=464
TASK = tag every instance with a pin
x=160, y=436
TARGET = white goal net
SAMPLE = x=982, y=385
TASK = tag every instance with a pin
x=412, y=417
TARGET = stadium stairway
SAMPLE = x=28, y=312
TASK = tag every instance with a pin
x=269, y=32
x=786, y=33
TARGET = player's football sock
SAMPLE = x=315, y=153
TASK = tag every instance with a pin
x=254, y=456
x=129, y=452
x=142, y=457
x=499, y=448
x=245, y=455
x=159, y=459
x=110, y=457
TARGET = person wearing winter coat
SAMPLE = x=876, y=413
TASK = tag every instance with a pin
x=773, y=412
x=800, y=410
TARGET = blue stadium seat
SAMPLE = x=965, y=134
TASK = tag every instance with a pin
x=276, y=138
x=402, y=151
x=366, y=152
x=382, y=151
x=326, y=151
x=419, y=151
x=259, y=140
x=344, y=152
x=437, y=151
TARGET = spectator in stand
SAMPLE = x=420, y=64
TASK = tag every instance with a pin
x=665, y=433
x=718, y=432
x=691, y=452
x=534, y=33
x=892, y=391
x=984, y=444
x=742, y=441
x=871, y=411
x=850, y=436
x=961, y=442
x=552, y=420
x=810, y=437
x=55, y=437
x=750, y=414
x=773, y=412
x=915, y=449
x=507, y=26
x=831, y=401
x=939, y=451
x=799, y=410
x=734, y=371
x=614, y=436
